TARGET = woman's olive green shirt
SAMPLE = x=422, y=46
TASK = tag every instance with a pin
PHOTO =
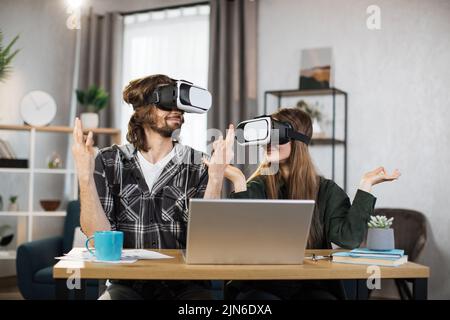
x=344, y=223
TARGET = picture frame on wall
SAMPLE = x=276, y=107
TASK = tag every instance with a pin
x=316, y=71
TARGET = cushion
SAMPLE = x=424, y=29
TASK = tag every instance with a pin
x=44, y=275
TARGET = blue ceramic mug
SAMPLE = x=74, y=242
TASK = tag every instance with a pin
x=108, y=245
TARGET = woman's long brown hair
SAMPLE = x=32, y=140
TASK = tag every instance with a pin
x=303, y=181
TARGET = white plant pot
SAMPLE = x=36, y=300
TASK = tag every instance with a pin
x=380, y=239
x=13, y=207
x=89, y=120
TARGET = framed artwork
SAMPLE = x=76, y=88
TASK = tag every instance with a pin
x=316, y=69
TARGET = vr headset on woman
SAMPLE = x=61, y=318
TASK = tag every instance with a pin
x=182, y=95
x=265, y=130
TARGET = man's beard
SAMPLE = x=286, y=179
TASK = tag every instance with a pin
x=165, y=131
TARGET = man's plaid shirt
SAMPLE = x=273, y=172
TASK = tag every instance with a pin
x=154, y=218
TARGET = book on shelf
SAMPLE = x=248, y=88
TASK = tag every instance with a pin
x=8, y=158
x=14, y=163
x=386, y=258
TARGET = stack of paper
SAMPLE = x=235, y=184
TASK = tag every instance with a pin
x=128, y=256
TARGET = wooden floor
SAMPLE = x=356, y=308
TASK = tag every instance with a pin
x=9, y=289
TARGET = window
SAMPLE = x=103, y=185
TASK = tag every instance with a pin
x=174, y=42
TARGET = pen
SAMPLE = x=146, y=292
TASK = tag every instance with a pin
x=315, y=257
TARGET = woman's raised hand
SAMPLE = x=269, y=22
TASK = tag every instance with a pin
x=83, y=153
x=377, y=176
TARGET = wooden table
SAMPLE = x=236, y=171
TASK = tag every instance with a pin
x=176, y=269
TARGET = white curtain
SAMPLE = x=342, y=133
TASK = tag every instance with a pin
x=174, y=42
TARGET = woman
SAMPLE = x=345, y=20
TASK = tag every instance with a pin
x=335, y=219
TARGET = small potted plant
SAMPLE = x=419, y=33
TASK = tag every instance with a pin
x=13, y=204
x=380, y=235
x=93, y=100
x=316, y=117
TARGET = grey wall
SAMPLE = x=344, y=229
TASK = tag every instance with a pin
x=399, y=103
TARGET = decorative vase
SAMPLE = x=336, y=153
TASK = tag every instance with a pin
x=89, y=120
x=317, y=130
x=380, y=239
x=54, y=161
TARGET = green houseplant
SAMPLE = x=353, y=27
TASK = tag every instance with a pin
x=93, y=100
x=380, y=235
x=6, y=57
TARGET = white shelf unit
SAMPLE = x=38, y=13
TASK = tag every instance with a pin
x=8, y=255
x=14, y=213
x=34, y=213
x=49, y=171
x=31, y=171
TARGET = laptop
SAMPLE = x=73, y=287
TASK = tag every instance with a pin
x=237, y=231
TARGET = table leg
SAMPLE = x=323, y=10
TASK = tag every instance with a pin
x=420, y=289
x=362, y=292
x=101, y=287
x=62, y=292
x=349, y=287
x=80, y=294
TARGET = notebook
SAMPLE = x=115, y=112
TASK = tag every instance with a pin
x=384, y=254
x=351, y=258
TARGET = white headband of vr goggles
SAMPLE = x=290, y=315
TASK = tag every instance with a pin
x=182, y=95
x=265, y=130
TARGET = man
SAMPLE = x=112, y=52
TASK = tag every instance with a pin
x=142, y=188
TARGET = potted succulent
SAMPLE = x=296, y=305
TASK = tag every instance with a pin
x=380, y=235
x=316, y=117
x=13, y=204
x=93, y=100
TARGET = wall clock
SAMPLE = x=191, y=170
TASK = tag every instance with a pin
x=38, y=108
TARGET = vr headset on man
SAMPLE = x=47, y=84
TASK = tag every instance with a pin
x=182, y=95
x=264, y=130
